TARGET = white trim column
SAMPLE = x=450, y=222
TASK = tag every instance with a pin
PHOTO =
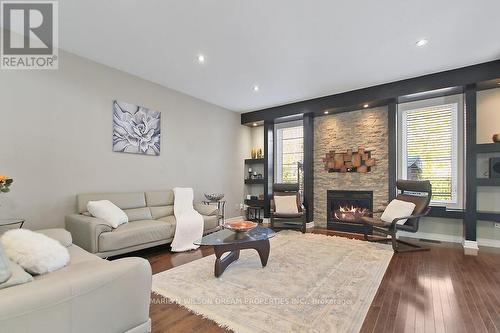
x=470, y=247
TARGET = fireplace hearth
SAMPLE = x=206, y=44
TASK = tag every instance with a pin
x=346, y=208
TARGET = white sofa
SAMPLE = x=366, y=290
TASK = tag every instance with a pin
x=89, y=295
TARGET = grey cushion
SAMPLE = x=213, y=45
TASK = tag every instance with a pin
x=210, y=222
x=134, y=233
x=5, y=272
x=136, y=214
x=123, y=200
x=59, y=234
x=161, y=211
x=160, y=198
x=206, y=209
x=18, y=276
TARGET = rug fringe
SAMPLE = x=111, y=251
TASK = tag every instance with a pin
x=193, y=311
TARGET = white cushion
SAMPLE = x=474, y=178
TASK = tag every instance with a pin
x=396, y=209
x=35, y=252
x=108, y=211
x=286, y=204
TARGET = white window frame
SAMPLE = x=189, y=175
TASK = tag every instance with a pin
x=457, y=201
x=278, y=148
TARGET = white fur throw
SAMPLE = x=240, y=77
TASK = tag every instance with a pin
x=36, y=253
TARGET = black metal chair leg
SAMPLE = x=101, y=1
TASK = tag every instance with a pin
x=394, y=242
x=413, y=247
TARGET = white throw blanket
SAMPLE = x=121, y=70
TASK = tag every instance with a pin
x=189, y=226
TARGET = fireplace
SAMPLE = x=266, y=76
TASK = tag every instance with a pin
x=345, y=209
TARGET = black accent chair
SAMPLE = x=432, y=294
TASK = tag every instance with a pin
x=418, y=192
x=288, y=221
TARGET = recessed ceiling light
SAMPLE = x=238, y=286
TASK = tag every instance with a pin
x=326, y=112
x=201, y=58
x=366, y=105
x=256, y=88
x=421, y=42
x=254, y=124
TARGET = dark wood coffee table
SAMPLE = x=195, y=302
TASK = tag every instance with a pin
x=226, y=240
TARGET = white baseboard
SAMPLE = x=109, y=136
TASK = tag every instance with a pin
x=488, y=242
x=432, y=236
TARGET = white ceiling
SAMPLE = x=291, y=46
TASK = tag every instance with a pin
x=294, y=50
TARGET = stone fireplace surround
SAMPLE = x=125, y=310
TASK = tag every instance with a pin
x=366, y=128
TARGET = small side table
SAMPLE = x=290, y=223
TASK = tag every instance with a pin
x=254, y=214
x=221, y=208
x=11, y=222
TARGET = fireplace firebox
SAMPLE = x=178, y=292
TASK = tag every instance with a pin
x=345, y=209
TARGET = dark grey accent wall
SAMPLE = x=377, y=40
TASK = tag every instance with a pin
x=308, y=122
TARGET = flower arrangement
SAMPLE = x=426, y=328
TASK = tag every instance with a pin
x=5, y=183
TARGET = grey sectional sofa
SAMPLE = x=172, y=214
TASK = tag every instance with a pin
x=89, y=295
x=151, y=222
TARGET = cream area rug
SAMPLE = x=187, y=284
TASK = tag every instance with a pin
x=312, y=283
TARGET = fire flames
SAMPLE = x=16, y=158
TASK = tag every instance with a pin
x=350, y=213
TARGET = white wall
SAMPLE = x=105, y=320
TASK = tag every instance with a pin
x=488, y=114
x=56, y=134
x=257, y=134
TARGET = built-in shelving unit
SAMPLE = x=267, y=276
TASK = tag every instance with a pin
x=254, y=161
x=254, y=181
x=488, y=148
x=488, y=182
x=488, y=216
x=258, y=204
x=251, y=202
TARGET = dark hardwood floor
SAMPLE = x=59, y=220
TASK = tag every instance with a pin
x=434, y=291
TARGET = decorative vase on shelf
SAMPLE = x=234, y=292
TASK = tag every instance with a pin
x=496, y=138
x=5, y=183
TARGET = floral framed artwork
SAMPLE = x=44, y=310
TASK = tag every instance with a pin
x=136, y=129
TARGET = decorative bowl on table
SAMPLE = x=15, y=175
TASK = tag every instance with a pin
x=214, y=196
x=240, y=226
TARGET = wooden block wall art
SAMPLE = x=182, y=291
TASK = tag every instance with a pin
x=353, y=160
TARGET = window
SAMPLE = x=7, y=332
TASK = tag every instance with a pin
x=429, y=147
x=289, y=151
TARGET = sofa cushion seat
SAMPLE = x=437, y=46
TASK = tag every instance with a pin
x=169, y=219
x=209, y=222
x=134, y=233
x=77, y=255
